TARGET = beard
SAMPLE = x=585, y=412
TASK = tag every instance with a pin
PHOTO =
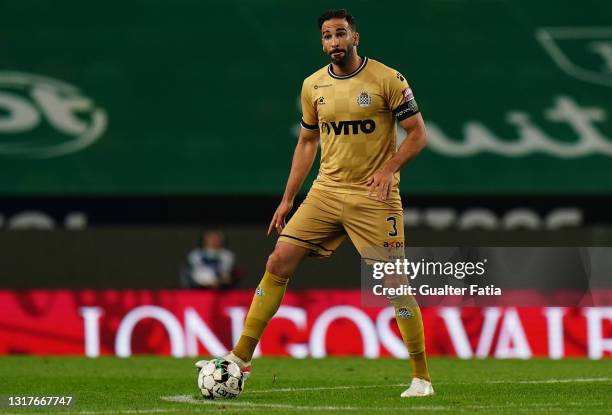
x=343, y=59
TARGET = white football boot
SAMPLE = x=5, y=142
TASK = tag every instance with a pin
x=245, y=367
x=418, y=387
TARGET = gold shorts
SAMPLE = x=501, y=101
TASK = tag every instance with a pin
x=325, y=218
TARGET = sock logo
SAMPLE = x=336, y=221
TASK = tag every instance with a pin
x=259, y=292
x=404, y=313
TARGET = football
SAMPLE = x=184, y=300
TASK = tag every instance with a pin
x=220, y=379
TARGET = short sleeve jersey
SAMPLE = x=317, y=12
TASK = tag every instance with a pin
x=355, y=115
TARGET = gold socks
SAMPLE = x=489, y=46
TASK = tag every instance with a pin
x=410, y=322
x=266, y=301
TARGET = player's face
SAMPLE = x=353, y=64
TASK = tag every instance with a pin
x=338, y=40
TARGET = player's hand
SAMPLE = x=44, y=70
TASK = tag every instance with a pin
x=278, y=220
x=381, y=183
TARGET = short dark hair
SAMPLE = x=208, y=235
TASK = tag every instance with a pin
x=337, y=14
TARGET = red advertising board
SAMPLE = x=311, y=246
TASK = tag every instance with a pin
x=311, y=323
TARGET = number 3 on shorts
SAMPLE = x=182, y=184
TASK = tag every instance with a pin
x=392, y=221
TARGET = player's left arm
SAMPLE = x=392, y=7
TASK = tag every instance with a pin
x=381, y=182
x=403, y=106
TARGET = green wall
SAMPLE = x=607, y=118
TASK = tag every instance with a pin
x=199, y=97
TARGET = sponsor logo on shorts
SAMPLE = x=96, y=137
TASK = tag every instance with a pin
x=393, y=244
x=259, y=292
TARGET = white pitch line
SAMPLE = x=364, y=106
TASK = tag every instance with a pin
x=542, y=381
x=191, y=400
x=450, y=408
x=510, y=382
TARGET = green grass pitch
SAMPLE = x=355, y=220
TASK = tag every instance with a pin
x=158, y=385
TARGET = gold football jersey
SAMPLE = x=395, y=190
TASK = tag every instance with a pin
x=355, y=115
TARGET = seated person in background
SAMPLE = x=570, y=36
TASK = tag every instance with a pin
x=210, y=265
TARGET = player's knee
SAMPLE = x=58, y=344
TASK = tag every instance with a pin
x=398, y=293
x=277, y=264
x=397, y=282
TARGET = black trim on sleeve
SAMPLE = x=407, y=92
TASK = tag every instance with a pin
x=312, y=127
x=406, y=110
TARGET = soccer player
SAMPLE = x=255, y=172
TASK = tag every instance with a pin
x=349, y=107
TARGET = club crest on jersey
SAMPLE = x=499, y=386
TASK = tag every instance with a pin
x=364, y=100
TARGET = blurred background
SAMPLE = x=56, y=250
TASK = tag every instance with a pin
x=145, y=143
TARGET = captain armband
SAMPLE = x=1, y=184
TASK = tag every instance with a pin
x=406, y=110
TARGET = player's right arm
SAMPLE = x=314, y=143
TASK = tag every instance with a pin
x=303, y=158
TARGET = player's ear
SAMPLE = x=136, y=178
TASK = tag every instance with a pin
x=356, y=39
